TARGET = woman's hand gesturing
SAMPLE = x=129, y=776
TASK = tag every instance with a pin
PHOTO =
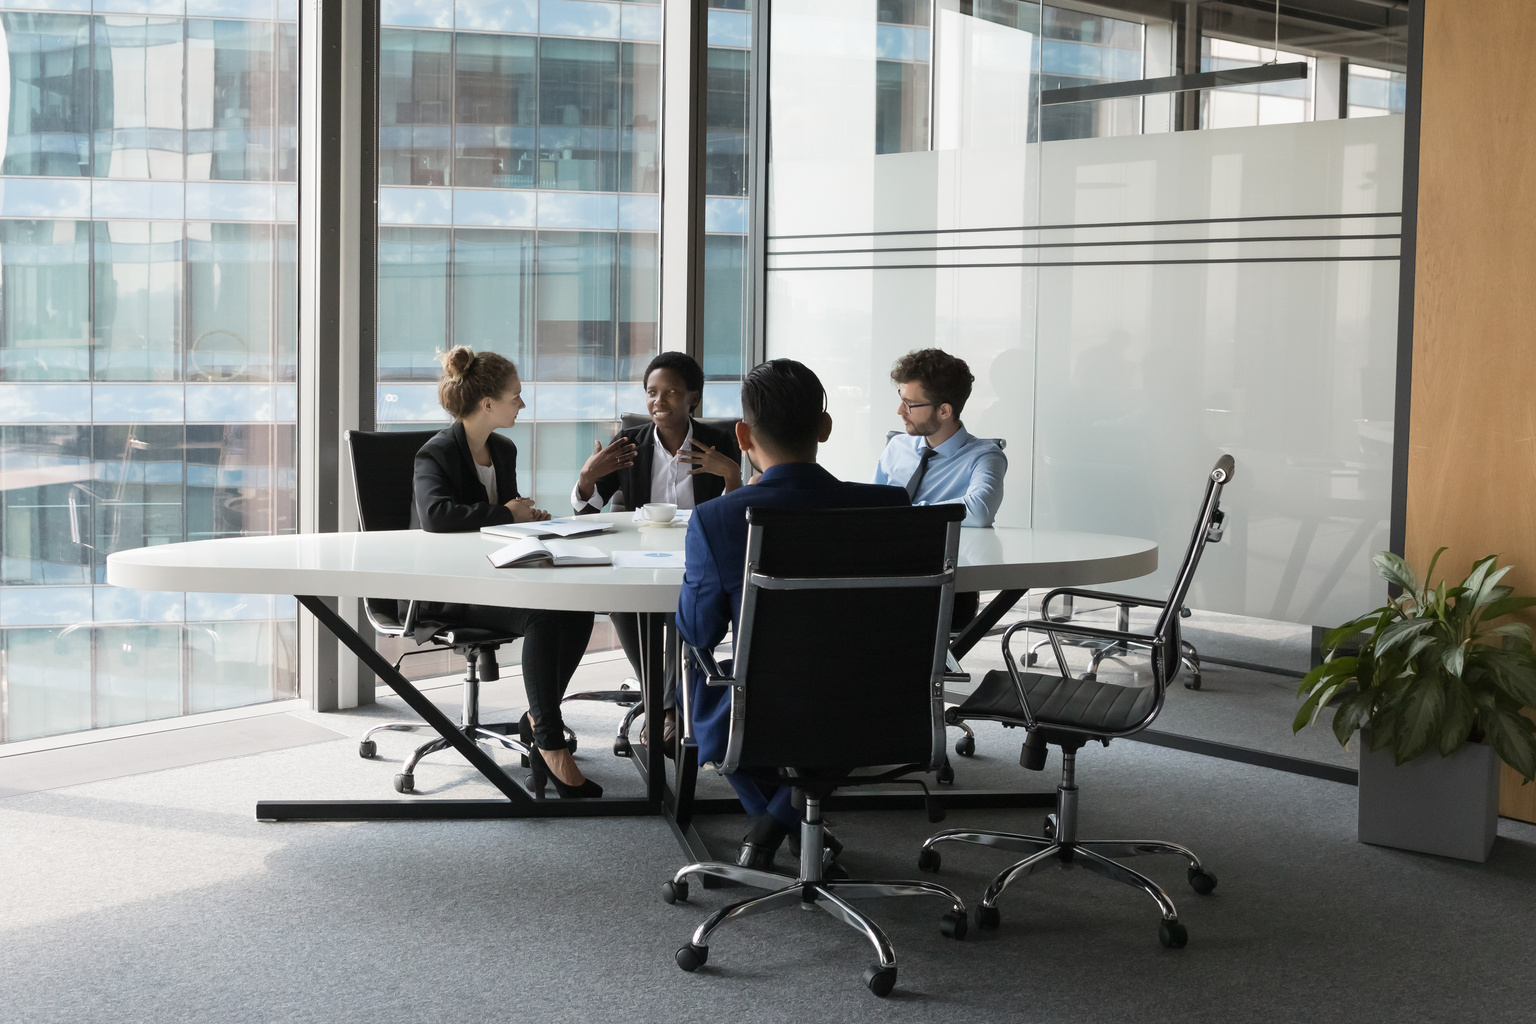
x=705, y=459
x=619, y=454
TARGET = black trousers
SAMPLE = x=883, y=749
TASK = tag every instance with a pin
x=553, y=643
x=627, y=626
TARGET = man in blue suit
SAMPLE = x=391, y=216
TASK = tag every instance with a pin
x=783, y=419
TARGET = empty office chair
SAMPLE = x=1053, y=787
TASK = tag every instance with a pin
x=384, y=490
x=1060, y=710
x=1107, y=650
x=628, y=693
x=811, y=704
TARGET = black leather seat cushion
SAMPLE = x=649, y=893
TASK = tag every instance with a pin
x=1058, y=701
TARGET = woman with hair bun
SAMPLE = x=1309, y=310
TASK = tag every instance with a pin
x=466, y=478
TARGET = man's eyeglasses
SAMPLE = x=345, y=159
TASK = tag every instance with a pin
x=913, y=405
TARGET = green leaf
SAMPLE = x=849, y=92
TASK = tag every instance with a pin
x=1421, y=708
x=1429, y=574
x=1350, y=716
x=1459, y=717
x=1510, y=735
x=1335, y=638
x=1515, y=629
x=1399, y=632
x=1454, y=659
x=1506, y=605
x=1393, y=569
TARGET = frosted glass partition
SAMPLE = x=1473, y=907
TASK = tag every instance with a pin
x=1131, y=306
x=837, y=210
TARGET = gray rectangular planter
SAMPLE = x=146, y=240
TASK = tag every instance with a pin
x=1442, y=805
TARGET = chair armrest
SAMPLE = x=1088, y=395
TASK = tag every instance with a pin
x=1074, y=629
x=1125, y=600
x=713, y=675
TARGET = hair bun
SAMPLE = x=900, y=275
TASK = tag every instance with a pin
x=456, y=361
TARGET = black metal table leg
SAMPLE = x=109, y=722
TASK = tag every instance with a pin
x=988, y=617
x=518, y=803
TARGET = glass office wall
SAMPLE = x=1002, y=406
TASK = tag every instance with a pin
x=147, y=350
x=727, y=338
x=1132, y=300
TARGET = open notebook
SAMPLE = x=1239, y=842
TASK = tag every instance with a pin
x=571, y=526
x=535, y=553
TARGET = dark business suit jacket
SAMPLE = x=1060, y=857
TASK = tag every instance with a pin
x=450, y=499
x=635, y=481
x=448, y=494
x=712, y=579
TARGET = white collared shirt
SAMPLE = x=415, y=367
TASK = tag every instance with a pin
x=670, y=481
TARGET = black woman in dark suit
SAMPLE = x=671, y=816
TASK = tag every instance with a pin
x=466, y=478
x=674, y=458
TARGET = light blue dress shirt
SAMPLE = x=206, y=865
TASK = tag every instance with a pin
x=965, y=469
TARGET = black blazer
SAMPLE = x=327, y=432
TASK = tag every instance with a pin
x=635, y=481
x=448, y=494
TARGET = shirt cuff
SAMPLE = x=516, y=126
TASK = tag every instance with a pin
x=596, y=501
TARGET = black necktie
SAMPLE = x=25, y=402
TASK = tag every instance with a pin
x=917, y=474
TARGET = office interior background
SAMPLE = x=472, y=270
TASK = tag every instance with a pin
x=922, y=188
x=232, y=229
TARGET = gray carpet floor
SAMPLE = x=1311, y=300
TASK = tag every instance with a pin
x=158, y=897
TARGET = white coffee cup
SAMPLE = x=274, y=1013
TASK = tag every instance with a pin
x=660, y=512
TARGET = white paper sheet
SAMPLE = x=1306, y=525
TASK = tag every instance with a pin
x=647, y=559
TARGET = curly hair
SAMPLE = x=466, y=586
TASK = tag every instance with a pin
x=685, y=366
x=945, y=378
x=469, y=377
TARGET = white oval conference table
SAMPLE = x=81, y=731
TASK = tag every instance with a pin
x=412, y=564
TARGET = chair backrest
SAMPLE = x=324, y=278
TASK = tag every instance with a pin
x=383, y=471
x=1208, y=530
x=726, y=424
x=1001, y=442
x=383, y=478
x=839, y=659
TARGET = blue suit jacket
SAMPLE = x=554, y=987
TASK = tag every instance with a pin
x=716, y=557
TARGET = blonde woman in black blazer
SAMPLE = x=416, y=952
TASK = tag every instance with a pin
x=674, y=458
x=466, y=478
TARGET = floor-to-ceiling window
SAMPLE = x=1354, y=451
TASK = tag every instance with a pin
x=147, y=349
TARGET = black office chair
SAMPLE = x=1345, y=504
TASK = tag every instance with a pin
x=624, y=696
x=810, y=704
x=383, y=468
x=1067, y=712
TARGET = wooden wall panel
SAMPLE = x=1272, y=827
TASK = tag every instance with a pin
x=1472, y=439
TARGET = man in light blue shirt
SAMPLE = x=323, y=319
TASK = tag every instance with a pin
x=938, y=461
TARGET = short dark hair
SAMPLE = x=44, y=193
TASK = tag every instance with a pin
x=945, y=378
x=783, y=401
x=682, y=364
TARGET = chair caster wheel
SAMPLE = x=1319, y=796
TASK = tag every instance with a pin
x=1031, y=659
x=570, y=743
x=928, y=860
x=953, y=925
x=965, y=746
x=621, y=747
x=1049, y=828
x=987, y=918
x=1193, y=684
x=946, y=775
x=880, y=979
x=675, y=892
x=1202, y=881
x=1172, y=934
x=367, y=749
x=405, y=783
x=690, y=958
x=525, y=762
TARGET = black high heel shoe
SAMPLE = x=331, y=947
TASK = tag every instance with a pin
x=541, y=772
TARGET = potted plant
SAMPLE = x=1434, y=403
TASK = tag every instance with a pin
x=1436, y=690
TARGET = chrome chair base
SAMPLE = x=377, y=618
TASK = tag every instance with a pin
x=811, y=890
x=1061, y=846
